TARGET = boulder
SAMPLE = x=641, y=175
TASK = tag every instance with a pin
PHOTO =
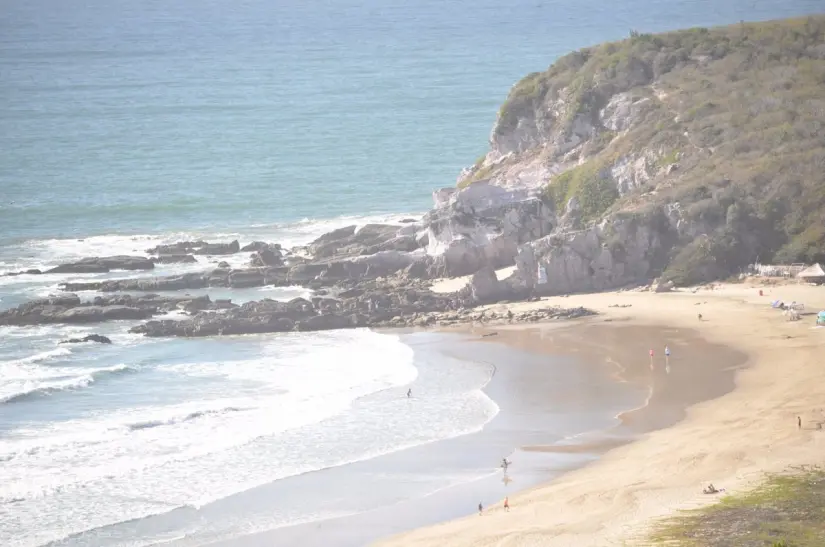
x=196, y=247
x=265, y=258
x=246, y=278
x=326, y=243
x=324, y=322
x=179, y=248
x=218, y=248
x=302, y=273
x=197, y=304
x=261, y=246
x=662, y=286
x=484, y=286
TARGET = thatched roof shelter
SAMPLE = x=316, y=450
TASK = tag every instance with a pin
x=813, y=274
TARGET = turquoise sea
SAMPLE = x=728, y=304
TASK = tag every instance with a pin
x=124, y=124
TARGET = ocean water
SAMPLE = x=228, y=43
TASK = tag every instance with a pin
x=124, y=124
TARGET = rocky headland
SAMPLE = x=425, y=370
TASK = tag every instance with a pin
x=662, y=160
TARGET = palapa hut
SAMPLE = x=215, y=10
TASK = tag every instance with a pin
x=812, y=274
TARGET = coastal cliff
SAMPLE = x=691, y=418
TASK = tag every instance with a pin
x=669, y=159
x=686, y=155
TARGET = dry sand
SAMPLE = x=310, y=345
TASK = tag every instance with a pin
x=730, y=441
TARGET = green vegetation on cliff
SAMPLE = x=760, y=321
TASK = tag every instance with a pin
x=726, y=125
x=589, y=184
x=786, y=511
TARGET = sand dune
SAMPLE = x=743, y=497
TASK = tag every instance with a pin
x=730, y=441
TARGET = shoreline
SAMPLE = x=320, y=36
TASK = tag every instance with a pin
x=731, y=438
x=473, y=456
x=534, y=462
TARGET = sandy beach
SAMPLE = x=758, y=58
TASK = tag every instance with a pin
x=732, y=438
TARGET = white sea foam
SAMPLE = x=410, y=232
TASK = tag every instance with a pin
x=290, y=410
x=291, y=389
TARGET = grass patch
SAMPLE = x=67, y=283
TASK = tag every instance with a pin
x=480, y=173
x=668, y=159
x=787, y=510
x=590, y=183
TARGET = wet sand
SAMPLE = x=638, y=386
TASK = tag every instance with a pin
x=564, y=401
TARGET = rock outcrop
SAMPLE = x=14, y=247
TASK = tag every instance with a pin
x=70, y=309
x=104, y=264
x=626, y=131
x=196, y=247
x=407, y=308
x=98, y=338
x=482, y=225
x=33, y=271
x=174, y=259
x=370, y=239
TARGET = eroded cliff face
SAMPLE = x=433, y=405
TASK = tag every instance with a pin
x=620, y=163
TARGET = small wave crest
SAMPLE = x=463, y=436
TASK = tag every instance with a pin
x=149, y=424
x=42, y=357
x=70, y=384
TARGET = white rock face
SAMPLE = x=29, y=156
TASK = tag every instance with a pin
x=609, y=255
x=483, y=224
x=622, y=111
x=632, y=171
x=441, y=197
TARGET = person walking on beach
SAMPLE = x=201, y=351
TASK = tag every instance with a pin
x=506, y=503
x=799, y=422
x=409, y=393
x=651, y=358
x=480, y=509
x=667, y=360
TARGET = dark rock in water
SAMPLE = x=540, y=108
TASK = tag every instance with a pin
x=329, y=239
x=196, y=247
x=105, y=264
x=265, y=258
x=100, y=339
x=179, y=248
x=169, y=283
x=69, y=309
x=97, y=314
x=303, y=273
x=261, y=246
x=27, y=272
x=325, y=322
x=174, y=259
x=219, y=248
x=246, y=278
x=407, y=220
x=222, y=265
x=197, y=304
